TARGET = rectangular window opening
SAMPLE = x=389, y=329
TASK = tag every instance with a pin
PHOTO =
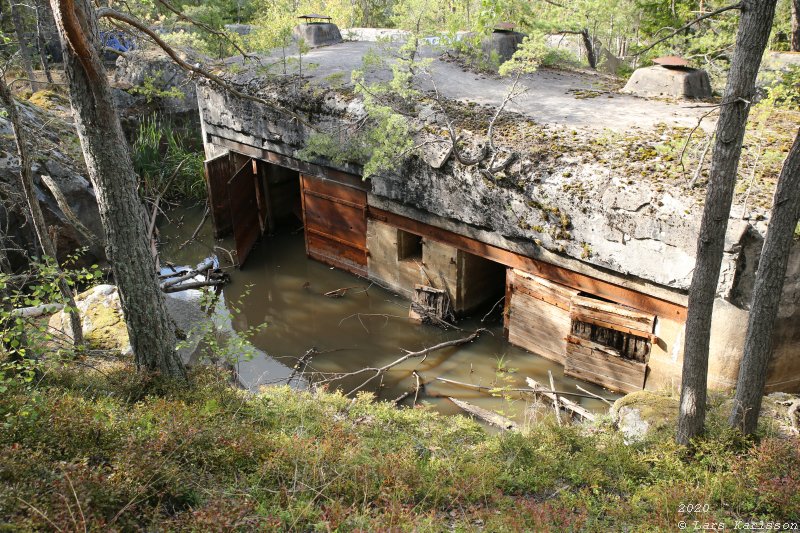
x=409, y=246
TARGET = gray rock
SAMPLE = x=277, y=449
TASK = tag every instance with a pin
x=57, y=156
x=150, y=65
x=640, y=414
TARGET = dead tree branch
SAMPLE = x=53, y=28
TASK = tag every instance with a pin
x=380, y=371
x=106, y=12
x=688, y=25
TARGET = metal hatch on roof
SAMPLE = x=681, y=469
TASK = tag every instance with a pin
x=504, y=26
x=315, y=16
x=671, y=62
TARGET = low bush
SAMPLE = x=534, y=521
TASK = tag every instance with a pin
x=108, y=449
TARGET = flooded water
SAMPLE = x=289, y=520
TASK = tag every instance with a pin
x=367, y=327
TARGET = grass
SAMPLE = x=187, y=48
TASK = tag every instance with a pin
x=113, y=451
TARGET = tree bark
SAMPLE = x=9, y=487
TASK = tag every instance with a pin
x=111, y=171
x=794, y=38
x=767, y=294
x=24, y=50
x=40, y=42
x=26, y=180
x=751, y=40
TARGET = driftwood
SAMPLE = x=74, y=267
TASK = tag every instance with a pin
x=380, y=371
x=562, y=402
x=182, y=280
x=490, y=417
x=301, y=364
x=527, y=390
x=556, y=406
x=194, y=285
x=430, y=305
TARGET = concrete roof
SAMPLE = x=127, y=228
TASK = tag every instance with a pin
x=582, y=99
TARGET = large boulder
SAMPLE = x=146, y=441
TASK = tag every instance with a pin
x=641, y=414
x=662, y=81
x=100, y=310
x=47, y=119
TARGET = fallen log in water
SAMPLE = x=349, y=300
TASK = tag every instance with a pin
x=568, y=405
x=203, y=275
x=487, y=416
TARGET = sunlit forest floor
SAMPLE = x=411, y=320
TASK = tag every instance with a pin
x=106, y=449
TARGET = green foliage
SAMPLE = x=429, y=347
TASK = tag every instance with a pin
x=165, y=162
x=24, y=340
x=116, y=450
x=784, y=90
x=153, y=89
x=528, y=56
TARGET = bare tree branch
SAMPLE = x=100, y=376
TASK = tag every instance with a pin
x=105, y=12
x=689, y=25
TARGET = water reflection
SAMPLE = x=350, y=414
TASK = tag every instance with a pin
x=367, y=327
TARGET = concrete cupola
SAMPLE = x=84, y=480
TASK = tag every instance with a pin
x=670, y=76
x=503, y=41
x=317, y=30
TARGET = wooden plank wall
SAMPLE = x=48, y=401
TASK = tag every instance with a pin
x=595, y=363
x=218, y=172
x=244, y=195
x=335, y=221
x=538, y=314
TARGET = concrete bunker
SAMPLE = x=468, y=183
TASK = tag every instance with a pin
x=608, y=301
x=583, y=323
x=317, y=30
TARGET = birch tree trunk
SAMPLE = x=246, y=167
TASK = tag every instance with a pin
x=111, y=171
x=39, y=225
x=751, y=39
x=767, y=294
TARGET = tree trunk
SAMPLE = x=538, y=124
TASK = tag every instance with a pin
x=40, y=42
x=37, y=217
x=751, y=40
x=591, y=57
x=794, y=39
x=111, y=171
x=767, y=294
x=24, y=50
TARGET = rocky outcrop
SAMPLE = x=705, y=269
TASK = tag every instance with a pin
x=56, y=153
x=148, y=78
x=101, y=318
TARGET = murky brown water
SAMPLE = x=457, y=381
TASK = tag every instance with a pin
x=368, y=327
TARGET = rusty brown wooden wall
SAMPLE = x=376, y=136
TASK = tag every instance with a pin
x=218, y=172
x=335, y=218
x=246, y=201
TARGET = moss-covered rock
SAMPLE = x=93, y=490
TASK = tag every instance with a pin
x=101, y=316
x=641, y=414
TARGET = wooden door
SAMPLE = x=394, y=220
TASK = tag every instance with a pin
x=335, y=218
x=538, y=314
x=218, y=172
x=244, y=192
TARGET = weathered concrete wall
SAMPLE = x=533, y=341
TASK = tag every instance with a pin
x=579, y=213
x=470, y=281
